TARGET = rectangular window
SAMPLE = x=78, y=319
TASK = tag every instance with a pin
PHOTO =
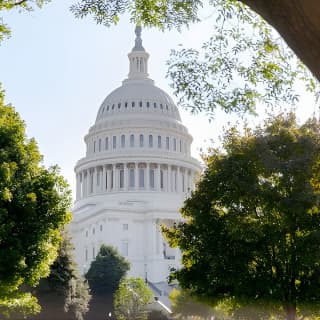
x=180, y=146
x=175, y=181
x=125, y=248
x=93, y=252
x=125, y=227
x=183, y=183
x=159, y=141
x=175, y=144
x=121, y=178
x=167, y=143
x=99, y=145
x=94, y=146
x=131, y=178
x=111, y=179
x=151, y=176
x=98, y=178
x=141, y=178
x=114, y=142
x=86, y=255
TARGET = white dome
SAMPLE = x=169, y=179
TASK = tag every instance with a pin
x=138, y=96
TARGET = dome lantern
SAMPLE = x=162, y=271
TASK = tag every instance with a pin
x=138, y=58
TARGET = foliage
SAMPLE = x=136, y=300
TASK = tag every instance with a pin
x=157, y=315
x=106, y=271
x=163, y=13
x=33, y=208
x=64, y=278
x=21, y=5
x=183, y=306
x=243, y=64
x=251, y=234
x=131, y=299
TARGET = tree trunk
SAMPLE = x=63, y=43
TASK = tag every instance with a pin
x=291, y=311
x=298, y=22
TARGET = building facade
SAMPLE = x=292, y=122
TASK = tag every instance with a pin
x=135, y=175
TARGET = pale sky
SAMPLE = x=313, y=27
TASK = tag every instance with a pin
x=56, y=71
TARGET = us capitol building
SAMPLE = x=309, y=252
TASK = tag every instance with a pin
x=135, y=175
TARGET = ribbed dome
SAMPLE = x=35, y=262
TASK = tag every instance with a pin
x=138, y=96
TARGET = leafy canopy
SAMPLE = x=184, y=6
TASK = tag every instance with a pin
x=33, y=208
x=251, y=234
x=106, y=271
x=131, y=299
x=243, y=64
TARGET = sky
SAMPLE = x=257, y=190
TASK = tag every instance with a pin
x=56, y=71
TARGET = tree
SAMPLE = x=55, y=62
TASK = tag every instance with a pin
x=34, y=204
x=243, y=64
x=251, y=231
x=131, y=299
x=21, y=5
x=106, y=271
x=297, y=21
x=64, y=281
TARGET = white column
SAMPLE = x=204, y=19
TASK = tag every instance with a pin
x=126, y=178
x=103, y=182
x=136, y=176
x=169, y=179
x=77, y=185
x=148, y=176
x=94, y=173
x=88, y=181
x=109, y=180
x=179, y=189
x=158, y=178
x=114, y=176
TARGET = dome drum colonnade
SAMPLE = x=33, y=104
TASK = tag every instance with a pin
x=136, y=173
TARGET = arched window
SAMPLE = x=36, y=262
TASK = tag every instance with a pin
x=114, y=142
x=106, y=143
x=150, y=141
x=123, y=141
x=132, y=140
x=141, y=140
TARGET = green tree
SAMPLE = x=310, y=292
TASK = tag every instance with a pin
x=64, y=281
x=251, y=235
x=242, y=64
x=106, y=271
x=33, y=208
x=131, y=299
